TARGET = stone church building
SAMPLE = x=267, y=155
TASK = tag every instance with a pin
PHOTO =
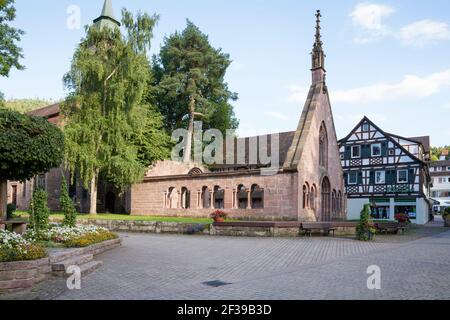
x=307, y=184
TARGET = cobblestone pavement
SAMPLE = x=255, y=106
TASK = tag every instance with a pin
x=176, y=267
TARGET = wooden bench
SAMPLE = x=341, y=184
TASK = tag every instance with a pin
x=386, y=227
x=18, y=226
x=309, y=227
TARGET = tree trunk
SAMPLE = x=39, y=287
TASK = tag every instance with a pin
x=3, y=199
x=93, y=196
x=188, y=149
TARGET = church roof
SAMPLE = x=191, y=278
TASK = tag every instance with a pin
x=46, y=112
x=107, y=18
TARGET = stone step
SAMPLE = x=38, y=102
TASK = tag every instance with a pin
x=90, y=267
x=76, y=260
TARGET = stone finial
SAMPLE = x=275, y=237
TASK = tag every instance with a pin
x=318, y=56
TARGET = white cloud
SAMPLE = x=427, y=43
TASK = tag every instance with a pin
x=368, y=17
x=422, y=32
x=298, y=93
x=277, y=115
x=411, y=87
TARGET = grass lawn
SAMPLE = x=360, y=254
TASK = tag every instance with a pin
x=126, y=217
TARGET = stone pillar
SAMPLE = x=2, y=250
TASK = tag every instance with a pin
x=199, y=200
x=212, y=199
x=165, y=200
x=249, y=200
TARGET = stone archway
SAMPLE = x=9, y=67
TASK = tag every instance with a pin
x=110, y=202
x=325, y=200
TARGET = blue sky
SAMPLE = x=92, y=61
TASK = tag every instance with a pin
x=388, y=60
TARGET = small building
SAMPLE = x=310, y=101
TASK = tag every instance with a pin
x=388, y=171
x=440, y=173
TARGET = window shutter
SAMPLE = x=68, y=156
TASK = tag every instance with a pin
x=372, y=177
x=412, y=176
x=384, y=149
x=365, y=150
x=346, y=178
x=360, y=178
x=390, y=176
x=348, y=152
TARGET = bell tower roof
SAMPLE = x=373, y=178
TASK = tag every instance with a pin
x=107, y=18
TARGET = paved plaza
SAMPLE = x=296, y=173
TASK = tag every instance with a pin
x=177, y=267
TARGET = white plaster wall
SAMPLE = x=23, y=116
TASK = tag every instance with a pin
x=354, y=207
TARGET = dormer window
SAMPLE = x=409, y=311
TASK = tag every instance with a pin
x=356, y=152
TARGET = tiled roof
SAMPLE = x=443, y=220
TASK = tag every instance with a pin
x=46, y=112
x=425, y=141
x=443, y=163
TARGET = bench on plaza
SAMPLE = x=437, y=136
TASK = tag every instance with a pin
x=309, y=227
x=393, y=227
x=18, y=226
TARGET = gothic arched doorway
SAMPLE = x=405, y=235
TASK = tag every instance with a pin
x=110, y=202
x=326, y=195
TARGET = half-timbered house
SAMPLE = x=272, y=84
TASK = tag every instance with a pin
x=387, y=170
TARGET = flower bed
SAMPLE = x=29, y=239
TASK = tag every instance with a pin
x=76, y=237
x=14, y=247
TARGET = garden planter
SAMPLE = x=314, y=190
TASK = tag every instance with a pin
x=219, y=220
x=447, y=221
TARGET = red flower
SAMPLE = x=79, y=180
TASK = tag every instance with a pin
x=218, y=214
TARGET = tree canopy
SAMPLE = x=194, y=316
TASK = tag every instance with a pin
x=437, y=151
x=26, y=105
x=110, y=129
x=190, y=80
x=28, y=146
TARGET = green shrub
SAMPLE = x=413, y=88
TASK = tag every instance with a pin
x=364, y=231
x=39, y=211
x=22, y=253
x=10, y=209
x=446, y=212
x=67, y=206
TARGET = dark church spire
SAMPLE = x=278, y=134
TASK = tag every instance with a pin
x=318, y=56
x=107, y=18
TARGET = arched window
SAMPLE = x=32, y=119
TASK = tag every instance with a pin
x=312, y=197
x=305, y=192
x=206, y=198
x=325, y=200
x=242, y=196
x=257, y=196
x=195, y=171
x=185, y=198
x=219, y=198
x=334, y=205
x=323, y=146
x=172, y=198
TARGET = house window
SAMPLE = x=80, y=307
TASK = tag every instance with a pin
x=365, y=127
x=448, y=168
x=343, y=157
x=356, y=152
x=402, y=176
x=439, y=169
x=380, y=177
x=376, y=150
x=353, y=178
x=392, y=152
x=40, y=182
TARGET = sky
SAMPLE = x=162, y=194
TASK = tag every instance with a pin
x=388, y=60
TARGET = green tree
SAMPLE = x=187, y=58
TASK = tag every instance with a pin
x=189, y=83
x=111, y=131
x=28, y=146
x=10, y=53
x=26, y=105
x=67, y=205
x=437, y=151
x=364, y=231
x=39, y=211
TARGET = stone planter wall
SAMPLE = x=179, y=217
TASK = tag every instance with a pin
x=23, y=275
